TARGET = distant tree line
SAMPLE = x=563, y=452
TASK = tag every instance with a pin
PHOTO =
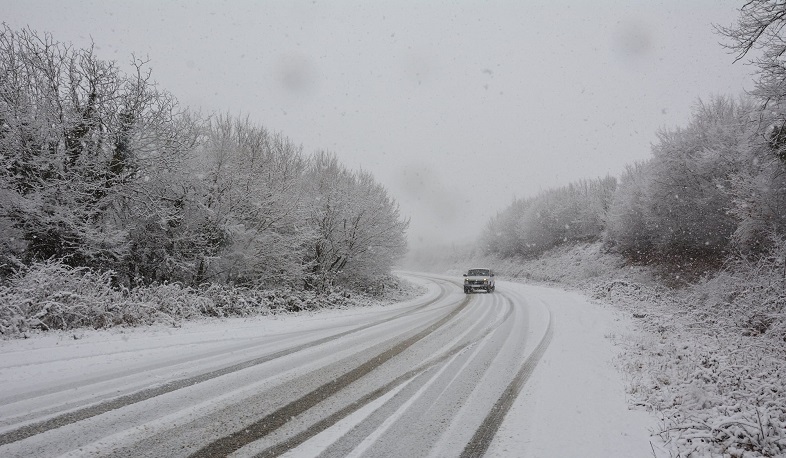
x=714, y=190
x=570, y=214
x=104, y=169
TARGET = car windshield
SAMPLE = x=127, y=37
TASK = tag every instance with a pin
x=478, y=272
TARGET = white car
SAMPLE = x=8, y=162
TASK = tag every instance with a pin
x=479, y=279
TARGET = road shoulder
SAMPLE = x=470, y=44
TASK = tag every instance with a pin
x=575, y=402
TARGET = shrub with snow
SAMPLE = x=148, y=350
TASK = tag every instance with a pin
x=54, y=296
x=51, y=295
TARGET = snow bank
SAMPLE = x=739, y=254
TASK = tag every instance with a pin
x=52, y=295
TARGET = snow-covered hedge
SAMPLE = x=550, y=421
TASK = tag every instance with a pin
x=52, y=295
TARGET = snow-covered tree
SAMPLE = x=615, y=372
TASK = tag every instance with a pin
x=569, y=214
x=683, y=206
x=358, y=230
x=626, y=228
x=759, y=199
x=691, y=177
x=501, y=235
x=101, y=169
x=252, y=194
x=85, y=150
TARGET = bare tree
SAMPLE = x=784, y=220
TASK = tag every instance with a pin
x=759, y=203
x=760, y=27
x=759, y=34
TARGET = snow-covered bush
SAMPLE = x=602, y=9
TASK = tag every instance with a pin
x=748, y=297
x=716, y=395
x=54, y=296
x=171, y=301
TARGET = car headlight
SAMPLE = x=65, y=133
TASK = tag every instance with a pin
x=466, y=280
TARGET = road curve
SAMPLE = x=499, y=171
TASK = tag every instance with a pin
x=433, y=376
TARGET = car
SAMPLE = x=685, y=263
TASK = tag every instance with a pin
x=479, y=279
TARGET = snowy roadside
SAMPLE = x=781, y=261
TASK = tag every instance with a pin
x=52, y=296
x=695, y=357
x=714, y=393
x=61, y=356
x=575, y=402
x=718, y=392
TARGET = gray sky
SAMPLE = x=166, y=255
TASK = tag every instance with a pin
x=456, y=107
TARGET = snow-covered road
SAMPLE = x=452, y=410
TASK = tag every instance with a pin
x=525, y=371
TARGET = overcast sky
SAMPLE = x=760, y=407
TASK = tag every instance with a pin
x=456, y=107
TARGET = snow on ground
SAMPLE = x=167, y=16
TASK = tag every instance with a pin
x=27, y=363
x=574, y=404
x=706, y=358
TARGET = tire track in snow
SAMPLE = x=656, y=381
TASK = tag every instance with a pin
x=444, y=357
x=84, y=413
x=412, y=422
x=483, y=436
x=119, y=374
x=269, y=423
x=171, y=362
